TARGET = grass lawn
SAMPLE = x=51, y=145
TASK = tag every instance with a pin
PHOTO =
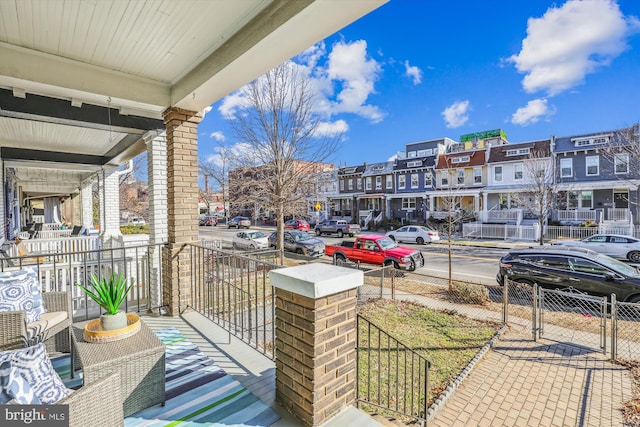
x=389, y=378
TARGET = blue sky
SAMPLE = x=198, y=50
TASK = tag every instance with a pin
x=417, y=70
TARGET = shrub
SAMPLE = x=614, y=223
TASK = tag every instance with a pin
x=469, y=293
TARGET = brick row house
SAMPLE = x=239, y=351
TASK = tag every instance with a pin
x=587, y=177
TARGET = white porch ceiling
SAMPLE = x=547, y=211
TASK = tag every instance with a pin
x=66, y=65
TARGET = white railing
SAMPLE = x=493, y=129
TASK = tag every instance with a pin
x=366, y=220
x=479, y=230
x=52, y=247
x=504, y=215
x=51, y=226
x=577, y=215
x=618, y=214
x=53, y=234
x=378, y=218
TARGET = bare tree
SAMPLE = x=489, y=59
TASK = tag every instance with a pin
x=450, y=201
x=217, y=168
x=621, y=155
x=537, y=191
x=280, y=127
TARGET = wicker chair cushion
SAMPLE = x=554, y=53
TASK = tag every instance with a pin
x=46, y=323
x=14, y=388
x=34, y=365
x=20, y=291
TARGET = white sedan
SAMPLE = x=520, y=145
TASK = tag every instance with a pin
x=414, y=234
x=614, y=245
x=250, y=239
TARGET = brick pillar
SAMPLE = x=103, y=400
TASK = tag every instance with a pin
x=182, y=205
x=86, y=196
x=316, y=339
x=157, y=178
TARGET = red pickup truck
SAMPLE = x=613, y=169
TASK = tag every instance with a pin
x=376, y=249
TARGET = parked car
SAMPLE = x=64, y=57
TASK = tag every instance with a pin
x=414, y=234
x=208, y=220
x=299, y=242
x=250, y=239
x=614, y=245
x=239, y=222
x=297, y=224
x=339, y=227
x=378, y=250
x=137, y=221
x=561, y=267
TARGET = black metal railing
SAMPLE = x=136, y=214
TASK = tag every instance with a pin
x=390, y=375
x=234, y=292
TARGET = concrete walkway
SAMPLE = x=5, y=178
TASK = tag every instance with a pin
x=545, y=383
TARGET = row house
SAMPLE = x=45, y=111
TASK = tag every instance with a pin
x=596, y=177
x=378, y=185
x=350, y=186
x=414, y=178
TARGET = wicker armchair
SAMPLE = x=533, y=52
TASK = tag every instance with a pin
x=13, y=328
x=96, y=404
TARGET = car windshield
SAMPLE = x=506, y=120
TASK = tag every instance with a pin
x=387, y=243
x=255, y=235
x=618, y=266
x=299, y=237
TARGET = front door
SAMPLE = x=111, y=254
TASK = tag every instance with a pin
x=621, y=199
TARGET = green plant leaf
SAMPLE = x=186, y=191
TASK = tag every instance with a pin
x=108, y=292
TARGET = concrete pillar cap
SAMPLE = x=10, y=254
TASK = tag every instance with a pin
x=316, y=280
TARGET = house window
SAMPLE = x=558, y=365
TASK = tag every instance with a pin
x=359, y=183
x=414, y=164
x=389, y=181
x=477, y=176
x=423, y=153
x=411, y=154
x=460, y=176
x=402, y=182
x=497, y=173
x=444, y=180
x=517, y=172
x=408, y=203
x=621, y=162
x=368, y=183
x=414, y=180
x=342, y=185
x=427, y=179
x=586, y=199
x=593, y=165
x=566, y=168
x=378, y=183
x=351, y=185
x=462, y=159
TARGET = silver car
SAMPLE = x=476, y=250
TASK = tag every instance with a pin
x=414, y=234
x=614, y=245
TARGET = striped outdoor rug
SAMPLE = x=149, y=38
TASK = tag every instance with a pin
x=198, y=392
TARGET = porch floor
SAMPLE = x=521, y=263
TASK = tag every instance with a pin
x=253, y=370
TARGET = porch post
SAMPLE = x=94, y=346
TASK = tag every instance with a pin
x=157, y=178
x=86, y=197
x=182, y=205
x=315, y=344
x=110, y=226
x=3, y=208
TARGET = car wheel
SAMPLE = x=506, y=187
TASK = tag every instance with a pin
x=635, y=299
x=318, y=232
x=393, y=238
x=525, y=282
x=252, y=248
x=420, y=241
x=340, y=259
x=634, y=256
x=300, y=251
x=340, y=234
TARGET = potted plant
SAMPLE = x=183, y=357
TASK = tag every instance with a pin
x=109, y=293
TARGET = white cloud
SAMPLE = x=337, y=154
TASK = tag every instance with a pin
x=218, y=136
x=240, y=150
x=571, y=41
x=331, y=128
x=343, y=80
x=456, y=114
x=532, y=112
x=413, y=72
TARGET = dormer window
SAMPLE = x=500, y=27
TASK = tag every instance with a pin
x=518, y=152
x=591, y=140
x=377, y=168
x=462, y=159
x=348, y=170
x=414, y=164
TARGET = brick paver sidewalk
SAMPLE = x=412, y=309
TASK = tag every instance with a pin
x=545, y=383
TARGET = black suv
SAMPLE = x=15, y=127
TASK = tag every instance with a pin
x=563, y=267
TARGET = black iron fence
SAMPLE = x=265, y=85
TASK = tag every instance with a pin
x=234, y=291
x=390, y=375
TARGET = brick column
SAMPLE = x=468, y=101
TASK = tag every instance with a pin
x=157, y=178
x=316, y=339
x=182, y=205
